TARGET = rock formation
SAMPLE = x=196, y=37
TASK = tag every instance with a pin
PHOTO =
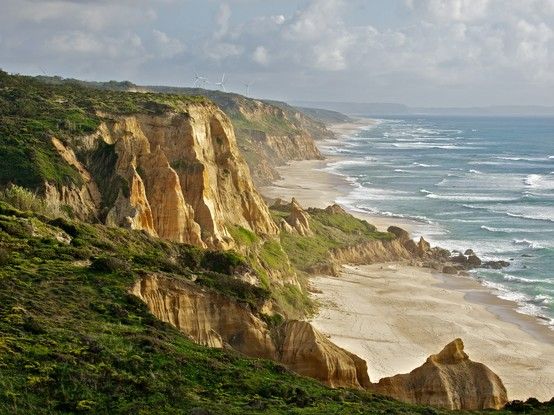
x=214, y=320
x=447, y=380
x=335, y=209
x=299, y=219
x=177, y=175
x=305, y=350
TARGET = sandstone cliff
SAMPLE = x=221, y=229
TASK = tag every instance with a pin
x=447, y=380
x=177, y=175
x=269, y=133
x=214, y=320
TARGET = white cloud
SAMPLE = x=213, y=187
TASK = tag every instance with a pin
x=166, y=46
x=260, y=55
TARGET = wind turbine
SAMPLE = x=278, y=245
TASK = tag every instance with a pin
x=247, y=85
x=221, y=84
x=199, y=79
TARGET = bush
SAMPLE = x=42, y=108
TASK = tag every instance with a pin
x=25, y=200
x=109, y=264
x=223, y=262
x=5, y=256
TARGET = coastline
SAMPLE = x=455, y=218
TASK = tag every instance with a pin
x=394, y=316
x=355, y=307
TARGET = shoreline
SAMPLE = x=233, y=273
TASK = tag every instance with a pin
x=496, y=321
x=367, y=311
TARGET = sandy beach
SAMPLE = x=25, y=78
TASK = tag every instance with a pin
x=395, y=316
x=309, y=183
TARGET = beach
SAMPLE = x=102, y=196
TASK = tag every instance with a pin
x=394, y=315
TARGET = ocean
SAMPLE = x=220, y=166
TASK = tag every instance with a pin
x=485, y=183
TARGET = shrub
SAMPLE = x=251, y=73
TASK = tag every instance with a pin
x=23, y=199
x=223, y=262
x=5, y=256
x=109, y=264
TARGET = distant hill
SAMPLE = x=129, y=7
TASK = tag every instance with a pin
x=375, y=108
x=325, y=116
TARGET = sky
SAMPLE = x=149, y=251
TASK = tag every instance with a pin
x=416, y=52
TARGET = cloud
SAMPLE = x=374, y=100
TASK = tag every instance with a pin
x=260, y=55
x=428, y=50
x=165, y=46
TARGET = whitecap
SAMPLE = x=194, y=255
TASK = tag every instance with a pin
x=469, y=197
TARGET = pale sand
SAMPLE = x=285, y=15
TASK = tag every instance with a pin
x=395, y=316
x=312, y=186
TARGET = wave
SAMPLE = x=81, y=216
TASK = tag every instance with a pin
x=424, y=165
x=469, y=198
x=528, y=243
x=475, y=171
x=519, y=158
x=523, y=280
x=539, y=181
x=528, y=305
x=508, y=230
x=424, y=191
x=402, y=171
x=526, y=212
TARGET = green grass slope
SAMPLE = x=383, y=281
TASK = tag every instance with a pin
x=72, y=340
x=32, y=112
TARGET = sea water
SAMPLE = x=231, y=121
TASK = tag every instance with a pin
x=483, y=183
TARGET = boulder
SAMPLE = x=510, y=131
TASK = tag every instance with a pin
x=469, y=252
x=447, y=380
x=400, y=233
x=448, y=269
x=423, y=247
x=495, y=264
x=473, y=261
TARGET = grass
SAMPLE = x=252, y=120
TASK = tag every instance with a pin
x=32, y=112
x=329, y=231
x=72, y=340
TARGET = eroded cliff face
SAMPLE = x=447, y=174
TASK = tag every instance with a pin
x=448, y=380
x=273, y=135
x=178, y=175
x=214, y=320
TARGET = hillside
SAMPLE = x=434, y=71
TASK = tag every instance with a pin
x=269, y=133
x=75, y=341
x=121, y=210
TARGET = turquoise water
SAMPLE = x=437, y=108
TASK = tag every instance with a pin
x=481, y=182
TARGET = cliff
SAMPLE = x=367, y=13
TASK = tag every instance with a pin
x=187, y=180
x=269, y=133
x=448, y=380
x=214, y=320
x=165, y=164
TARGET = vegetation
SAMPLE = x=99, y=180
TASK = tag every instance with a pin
x=73, y=340
x=330, y=230
x=32, y=112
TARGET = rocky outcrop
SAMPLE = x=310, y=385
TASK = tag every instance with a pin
x=214, y=320
x=447, y=380
x=84, y=200
x=335, y=209
x=305, y=350
x=370, y=252
x=210, y=319
x=177, y=175
x=299, y=219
